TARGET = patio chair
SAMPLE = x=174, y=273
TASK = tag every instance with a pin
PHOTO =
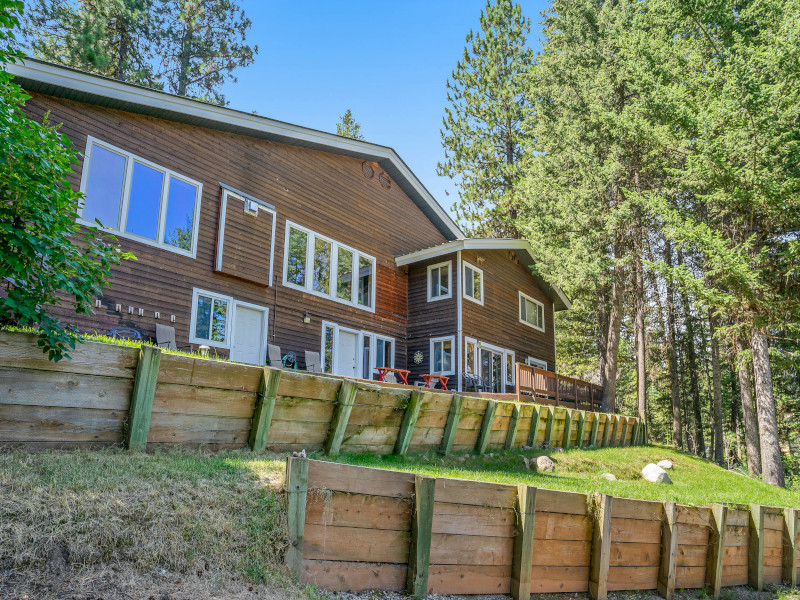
x=313, y=362
x=274, y=356
x=471, y=381
x=165, y=337
x=125, y=333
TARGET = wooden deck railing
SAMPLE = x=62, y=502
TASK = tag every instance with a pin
x=545, y=387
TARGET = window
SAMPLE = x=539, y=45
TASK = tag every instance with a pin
x=439, y=281
x=138, y=199
x=328, y=340
x=384, y=352
x=510, y=360
x=442, y=355
x=473, y=283
x=535, y=362
x=331, y=266
x=470, y=356
x=209, y=324
x=531, y=312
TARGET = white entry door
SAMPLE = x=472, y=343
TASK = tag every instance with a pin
x=249, y=334
x=347, y=353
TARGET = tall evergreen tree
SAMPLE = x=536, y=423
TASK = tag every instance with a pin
x=483, y=134
x=348, y=126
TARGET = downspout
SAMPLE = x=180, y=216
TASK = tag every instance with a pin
x=461, y=353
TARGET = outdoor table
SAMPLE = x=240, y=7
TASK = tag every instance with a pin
x=402, y=373
x=429, y=377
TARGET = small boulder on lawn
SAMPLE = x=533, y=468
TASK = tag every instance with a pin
x=608, y=477
x=655, y=474
x=544, y=464
x=664, y=464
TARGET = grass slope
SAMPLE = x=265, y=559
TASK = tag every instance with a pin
x=695, y=481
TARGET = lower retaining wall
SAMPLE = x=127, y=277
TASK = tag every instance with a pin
x=357, y=528
x=87, y=401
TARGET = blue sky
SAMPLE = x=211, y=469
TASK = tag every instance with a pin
x=388, y=61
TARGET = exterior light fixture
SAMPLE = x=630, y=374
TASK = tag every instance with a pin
x=306, y=317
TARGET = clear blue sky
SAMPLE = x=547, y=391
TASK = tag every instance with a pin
x=386, y=60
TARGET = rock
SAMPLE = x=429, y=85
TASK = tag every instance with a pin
x=608, y=477
x=527, y=448
x=655, y=474
x=664, y=464
x=528, y=462
x=544, y=464
x=300, y=454
x=558, y=449
x=57, y=561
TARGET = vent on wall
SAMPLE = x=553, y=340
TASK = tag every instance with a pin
x=385, y=181
x=251, y=208
x=367, y=169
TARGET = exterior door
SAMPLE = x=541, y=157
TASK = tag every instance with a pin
x=491, y=369
x=249, y=334
x=347, y=353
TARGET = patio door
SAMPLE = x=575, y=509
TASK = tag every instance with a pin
x=491, y=369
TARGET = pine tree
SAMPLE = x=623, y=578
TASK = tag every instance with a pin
x=348, y=126
x=202, y=43
x=483, y=134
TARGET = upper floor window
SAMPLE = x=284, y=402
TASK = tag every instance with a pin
x=439, y=281
x=535, y=362
x=531, y=312
x=323, y=267
x=473, y=283
x=138, y=199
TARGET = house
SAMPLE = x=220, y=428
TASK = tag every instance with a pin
x=250, y=231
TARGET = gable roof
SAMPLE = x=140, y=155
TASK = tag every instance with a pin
x=65, y=82
x=521, y=247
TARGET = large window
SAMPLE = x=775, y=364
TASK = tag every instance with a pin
x=138, y=199
x=331, y=266
x=439, y=281
x=210, y=323
x=473, y=283
x=531, y=312
x=442, y=362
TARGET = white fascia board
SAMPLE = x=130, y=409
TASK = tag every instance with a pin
x=154, y=99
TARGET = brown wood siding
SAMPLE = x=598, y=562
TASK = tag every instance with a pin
x=246, y=242
x=324, y=192
x=429, y=319
x=497, y=321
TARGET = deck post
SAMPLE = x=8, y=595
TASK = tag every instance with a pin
x=486, y=426
x=668, y=567
x=297, y=492
x=548, y=428
x=790, y=546
x=341, y=415
x=419, y=555
x=513, y=425
x=716, y=549
x=453, y=416
x=410, y=417
x=755, y=564
x=265, y=406
x=144, y=391
x=522, y=560
x=601, y=547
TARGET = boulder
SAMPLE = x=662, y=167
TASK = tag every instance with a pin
x=655, y=474
x=608, y=477
x=544, y=464
x=528, y=462
x=664, y=464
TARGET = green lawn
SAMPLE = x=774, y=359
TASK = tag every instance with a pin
x=695, y=481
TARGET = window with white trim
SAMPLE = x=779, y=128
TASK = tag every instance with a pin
x=509, y=366
x=442, y=359
x=138, y=199
x=473, y=283
x=323, y=267
x=439, y=281
x=531, y=312
x=470, y=355
x=210, y=323
x=535, y=362
x=384, y=352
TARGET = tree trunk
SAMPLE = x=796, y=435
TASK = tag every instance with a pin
x=602, y=338
x=751, y=437
x=612, y=344
x=772, y=467
x=641, y=373
x=691, y=356
x=736, y=451
x=672, y=349
x=719, y=444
